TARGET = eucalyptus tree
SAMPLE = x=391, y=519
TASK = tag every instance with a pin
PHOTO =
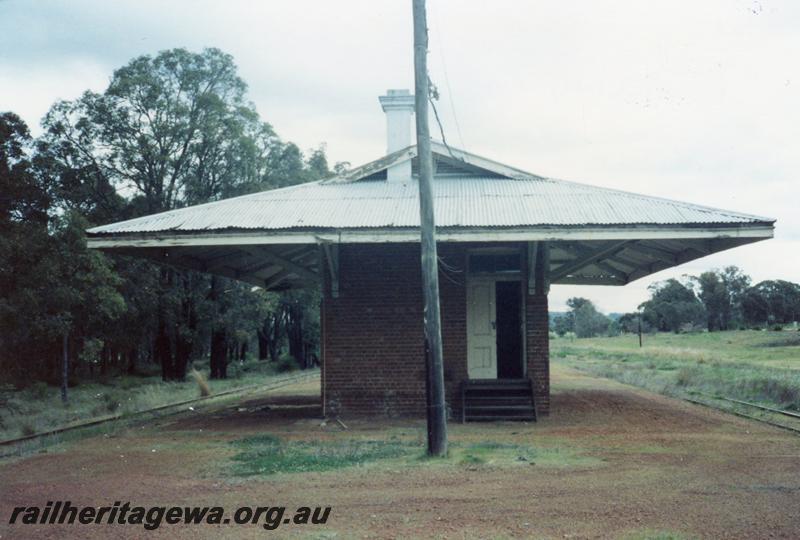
x=672, y=307
x=55, y=294
x=721, y=292
x=170, y=130
x=772, y=302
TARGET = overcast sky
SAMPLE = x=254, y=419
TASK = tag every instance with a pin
x=690, y=100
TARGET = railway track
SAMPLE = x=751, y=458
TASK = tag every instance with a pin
x=161, y=410
x=763, y=408
x=771, y=410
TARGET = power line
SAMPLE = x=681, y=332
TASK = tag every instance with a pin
x=434, y=95
x=440, y=39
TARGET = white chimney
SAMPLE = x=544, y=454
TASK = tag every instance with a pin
x=398, y=106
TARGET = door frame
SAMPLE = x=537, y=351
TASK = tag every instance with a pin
x=494, y=278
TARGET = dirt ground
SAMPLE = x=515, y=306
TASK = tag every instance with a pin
x=654, y=466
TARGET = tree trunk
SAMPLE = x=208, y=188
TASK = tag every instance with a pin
x=184, y=339
x=274, y=336
x=64, y=369
x=263, y=344
x=183, y=352
x=132, y=353
x=218, y=360
x=219, y=337
x=294, y=333
x=162, y=348
x=274, y=350
x=162, y=352
x=105, y=354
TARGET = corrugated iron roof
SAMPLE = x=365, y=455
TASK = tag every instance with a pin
x=514, y=200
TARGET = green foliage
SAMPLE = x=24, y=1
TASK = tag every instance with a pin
x=649, y=534
x=24, y=197
x=38, y=390
x=673, y=307
x=583, y=320
x=171, y=130
x=563, y=324
x=630, y=323
x=721, y=292
x=266, y=454
x=771, y=302
x=589, y=322
x=39, y=406
x=286, y=363
x=747, y=365
x=724, y=301
x=51, y=283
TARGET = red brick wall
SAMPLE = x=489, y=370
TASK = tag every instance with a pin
x=537, y=349
x=373, y=353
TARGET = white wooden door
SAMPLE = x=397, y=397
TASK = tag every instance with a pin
x=481, y=332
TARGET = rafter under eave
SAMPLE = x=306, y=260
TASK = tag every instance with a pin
x=588, y=259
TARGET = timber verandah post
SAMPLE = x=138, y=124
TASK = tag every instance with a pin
x=436, y=413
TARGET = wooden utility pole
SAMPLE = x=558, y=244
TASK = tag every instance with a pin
x=436, y=414
x=640, y=329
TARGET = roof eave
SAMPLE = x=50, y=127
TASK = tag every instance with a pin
x=756, y=231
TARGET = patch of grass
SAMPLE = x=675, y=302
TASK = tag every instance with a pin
x=774, y=349
x=791, y=341
x=38, y=408
x=471, y=459
x=492, y=452
x=650, y=534
x=266, y=454
x=500, y=454
x=762, y=367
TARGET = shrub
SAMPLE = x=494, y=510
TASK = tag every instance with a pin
x=38, y=390
x=112, y=400
x=286, y=363
x=690, y=328
x=128, y=383
x=683, y=377
x=90, y=353
x=234, y=370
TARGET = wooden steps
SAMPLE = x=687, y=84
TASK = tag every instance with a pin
x=485, y=400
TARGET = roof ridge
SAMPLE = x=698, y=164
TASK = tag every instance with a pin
x=361, y=172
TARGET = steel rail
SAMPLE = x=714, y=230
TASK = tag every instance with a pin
x=757, y=406
x=743, y=415
x=98, y=421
